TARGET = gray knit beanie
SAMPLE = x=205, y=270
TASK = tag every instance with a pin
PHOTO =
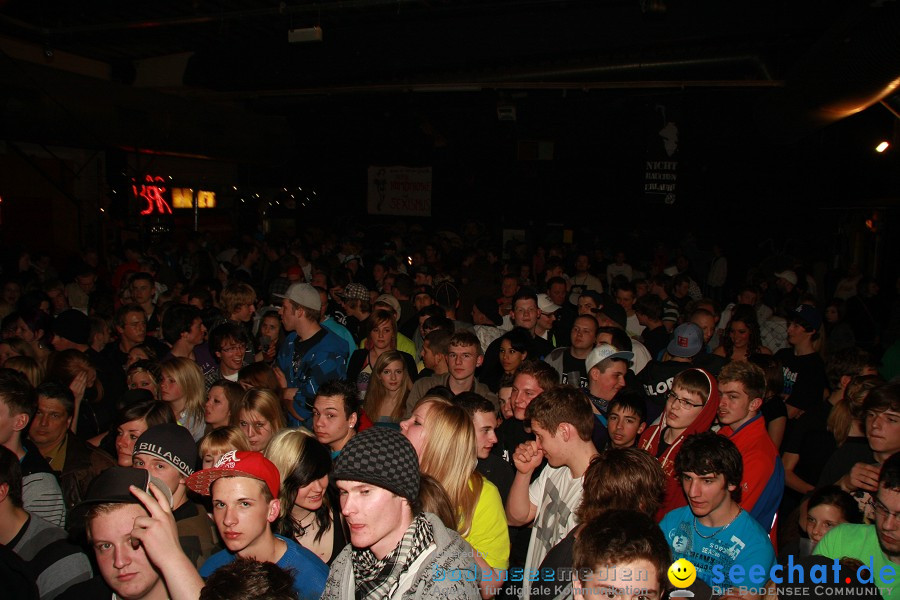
x=382, y=457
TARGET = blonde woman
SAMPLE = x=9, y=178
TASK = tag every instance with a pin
x=220, y=441
x=27, y=366
x=310, y=510
x=261, y=417
x=183, y=388
x=444, y=439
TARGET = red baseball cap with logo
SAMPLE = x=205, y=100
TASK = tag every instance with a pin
x=237, y=464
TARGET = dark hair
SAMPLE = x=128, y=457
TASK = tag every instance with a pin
x=518, y=338
x=440, y=391
x=890, y=473
x=466, y=338
x=746, y=314
x=177, y=320
x=11, y=474
x=17, y=394
x=224, y=332
x=203, y=295
x=57, y=391
x=250, y=579
x=884, y=397
x=153, y=412
x=626, y=286
x=709, y=453
x=622, y=478
x=433, y=498
x=147, y=349
x=347, y=391
x=620, y=337
x=439, y=341
x=525, y=293
x=437, y=322
x=649, y=305
x=309, y=461
x=35, y=320
x=126, y=309
x=403, y=283
x=259, y=374
x=832, y=495
x=630, y=400
x=141, y=275
x=555, y=281
x=473, y=403
x=619, y=537
x=845, y=362
x=432, y=310
x=771, y=366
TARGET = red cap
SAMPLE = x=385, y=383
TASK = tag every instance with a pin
x=237, y=464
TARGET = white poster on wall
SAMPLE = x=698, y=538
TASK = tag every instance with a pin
x=400, y=190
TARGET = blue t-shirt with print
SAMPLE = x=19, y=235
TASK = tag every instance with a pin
x=743, y=543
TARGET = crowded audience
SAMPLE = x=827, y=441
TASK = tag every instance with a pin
x=342, y=418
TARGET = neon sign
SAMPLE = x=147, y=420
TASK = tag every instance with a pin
x=152, y=192
x=184, y=198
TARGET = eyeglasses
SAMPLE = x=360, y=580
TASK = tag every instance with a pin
x=881, y=510
x=235, y=348
x=681, y=402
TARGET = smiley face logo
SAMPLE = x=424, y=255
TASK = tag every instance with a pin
x=682, y=573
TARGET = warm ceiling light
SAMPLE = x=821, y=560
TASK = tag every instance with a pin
x=882, y=147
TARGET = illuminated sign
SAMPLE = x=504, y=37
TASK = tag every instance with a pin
x=152, y=192
x=184, y=198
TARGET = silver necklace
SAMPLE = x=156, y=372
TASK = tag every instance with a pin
x=720, y=529
x=303, y=527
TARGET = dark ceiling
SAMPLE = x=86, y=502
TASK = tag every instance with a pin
x=420, y=82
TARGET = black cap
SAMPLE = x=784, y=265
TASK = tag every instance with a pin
x=488, y=307
x=615, y=313
x=111, y=486
x=73, y=325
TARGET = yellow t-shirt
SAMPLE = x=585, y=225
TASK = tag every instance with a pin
x=489, y=535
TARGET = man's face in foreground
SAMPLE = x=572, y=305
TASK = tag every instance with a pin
x=625, y=581
x=377, y=518
x=124, y=567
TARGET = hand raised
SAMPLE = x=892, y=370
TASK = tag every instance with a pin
x=527, y=457
x=157, y=532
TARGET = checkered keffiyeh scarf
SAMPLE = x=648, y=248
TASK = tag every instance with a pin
x=378, y=579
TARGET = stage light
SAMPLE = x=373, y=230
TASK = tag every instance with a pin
x=882, y=147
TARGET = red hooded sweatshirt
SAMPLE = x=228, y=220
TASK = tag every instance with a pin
x=650, y=441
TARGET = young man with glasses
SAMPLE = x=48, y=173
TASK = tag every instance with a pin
x=228, y=342
x=690, y=408
x=877, y=546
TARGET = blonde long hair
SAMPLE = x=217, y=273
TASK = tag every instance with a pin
x=377, y=394
x=190, y=379
x=450, y=456
x=266, y=403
